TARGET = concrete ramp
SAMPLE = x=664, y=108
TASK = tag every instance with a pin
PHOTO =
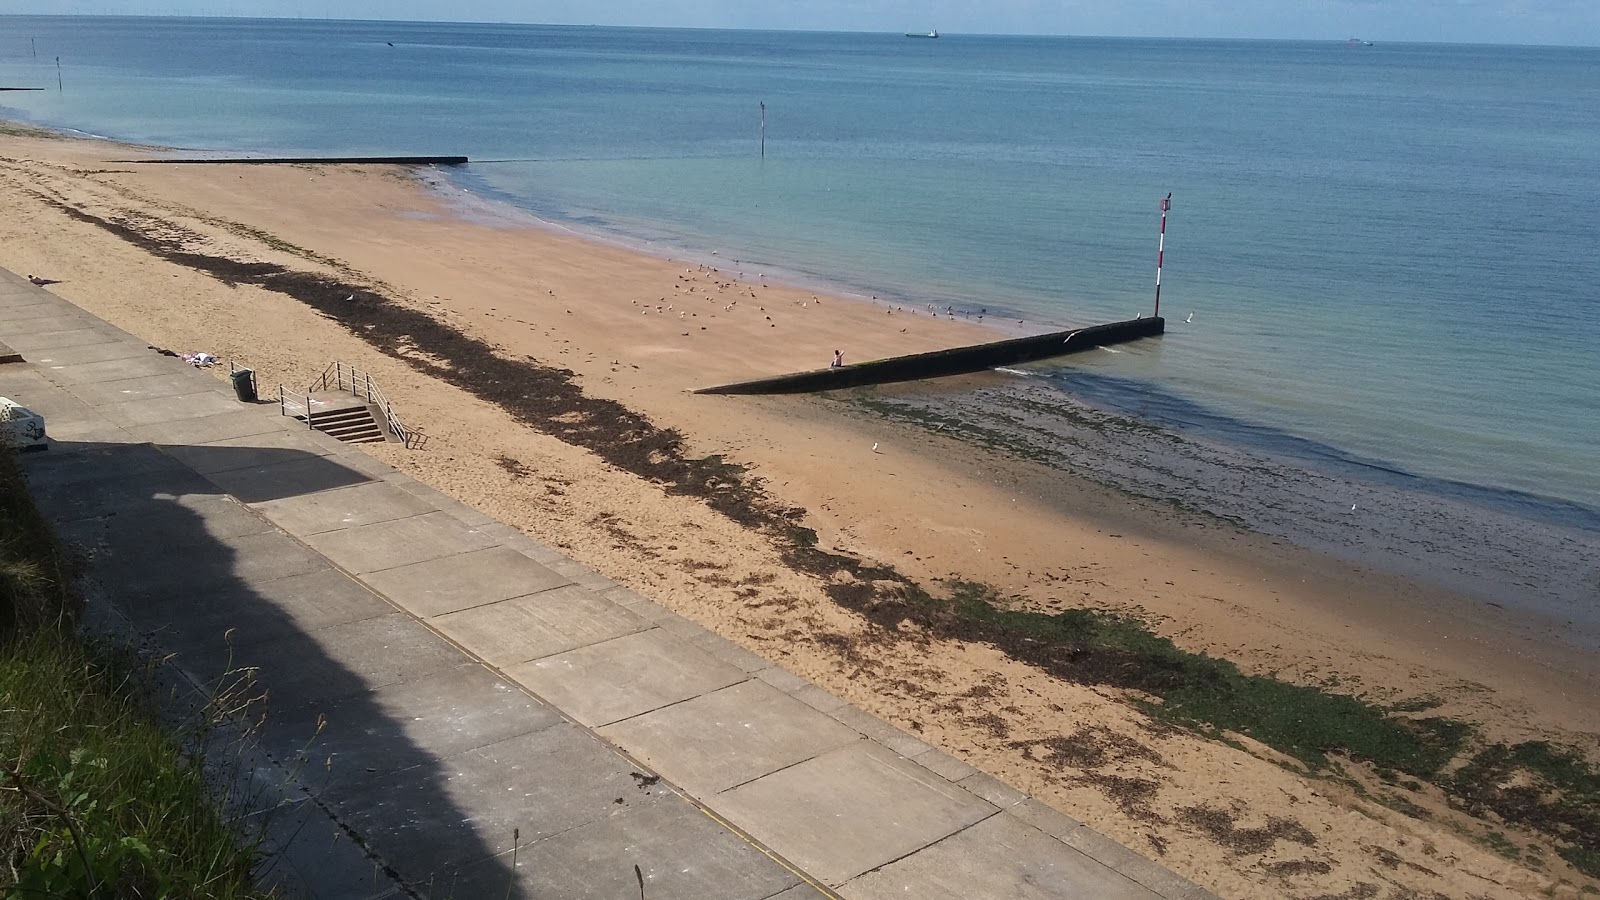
x=955, y=361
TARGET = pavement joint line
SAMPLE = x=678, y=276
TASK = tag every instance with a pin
x=910, y=853
x=786, y=766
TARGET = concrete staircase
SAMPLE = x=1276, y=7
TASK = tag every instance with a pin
x=353, y=426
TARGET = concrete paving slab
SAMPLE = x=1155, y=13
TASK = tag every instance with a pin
x=109, y=495
x=239, y=421
x=290, y=473
x=398, y=542
x=306, y=854
x=145, y=387
x=255, y=613
x=164, y=524
x=505, y=786
x=719, y=740
x=514, y=631
x=850, y=810
x=340, y=508
x=58, y=359
x=468, y=580
x=193, y=568
x=414, y=723
x=170, y=409
x=250, y=451
x=801, y=892
x=39, y=320
x=625, y=676
x=335, y=662
x=682, y=854
x=30, y=344
x=143, y=365
x=999, y=857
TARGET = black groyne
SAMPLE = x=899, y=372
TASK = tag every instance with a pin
x=308, y=160
x=20, y=89
x=955, y=361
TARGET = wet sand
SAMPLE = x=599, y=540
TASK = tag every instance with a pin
x=551, y=374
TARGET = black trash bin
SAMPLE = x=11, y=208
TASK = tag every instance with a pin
x=244, y=385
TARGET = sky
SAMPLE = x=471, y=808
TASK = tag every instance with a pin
x=1565, y=22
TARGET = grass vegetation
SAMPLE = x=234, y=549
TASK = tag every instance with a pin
x=96, y=797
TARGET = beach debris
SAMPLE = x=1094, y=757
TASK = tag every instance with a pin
x=200, y=360
x=41, y=282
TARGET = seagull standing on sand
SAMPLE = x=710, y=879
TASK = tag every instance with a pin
x=874, y=447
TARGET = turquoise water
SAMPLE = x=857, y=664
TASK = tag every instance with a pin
x=1388, y=252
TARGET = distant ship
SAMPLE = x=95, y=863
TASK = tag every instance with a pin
x=923, y=34
x=1357, y=42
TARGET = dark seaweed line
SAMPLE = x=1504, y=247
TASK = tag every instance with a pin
x=1080, y=646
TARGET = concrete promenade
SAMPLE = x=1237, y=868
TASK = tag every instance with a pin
x=459, y=711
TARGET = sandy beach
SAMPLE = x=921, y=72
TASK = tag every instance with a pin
x=638, y=333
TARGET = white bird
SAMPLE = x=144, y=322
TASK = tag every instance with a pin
x=874, y=448
x=1190, y=319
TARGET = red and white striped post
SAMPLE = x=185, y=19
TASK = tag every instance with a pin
x=1161, y=248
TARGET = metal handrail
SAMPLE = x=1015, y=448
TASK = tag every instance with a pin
x=361, y=385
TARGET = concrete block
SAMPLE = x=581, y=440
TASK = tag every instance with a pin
x=20, y=427
x=398, y=542
x=520, y=629
x=944, y=765
x=850, y=810
x=682, y=854
x=1048, y=820
x=818, y=699
x=463, y=581
x=1135, y=867
x=719, y=740
x=998, y=857
x=782, y=679
x=431, y=820
x=365, y=503
x=876, y=729
x=993, y=790
x=623, y=677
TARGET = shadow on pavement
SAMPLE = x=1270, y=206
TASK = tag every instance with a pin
x=383, y=723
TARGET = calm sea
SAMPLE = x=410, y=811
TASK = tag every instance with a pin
x=1388, y=252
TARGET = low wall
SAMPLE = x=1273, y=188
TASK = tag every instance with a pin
x=955, y=361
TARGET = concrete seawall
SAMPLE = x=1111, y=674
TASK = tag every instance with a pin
x=955, y=361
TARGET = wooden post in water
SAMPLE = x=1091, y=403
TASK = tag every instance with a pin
x=763, y=129
x=58, y=75
x=1161, y=248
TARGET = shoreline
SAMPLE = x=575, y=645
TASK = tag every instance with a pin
x=922, y=503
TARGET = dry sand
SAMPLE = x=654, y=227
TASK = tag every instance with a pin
x=643, y=331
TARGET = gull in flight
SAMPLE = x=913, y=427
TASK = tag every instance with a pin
x=1190, y=319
